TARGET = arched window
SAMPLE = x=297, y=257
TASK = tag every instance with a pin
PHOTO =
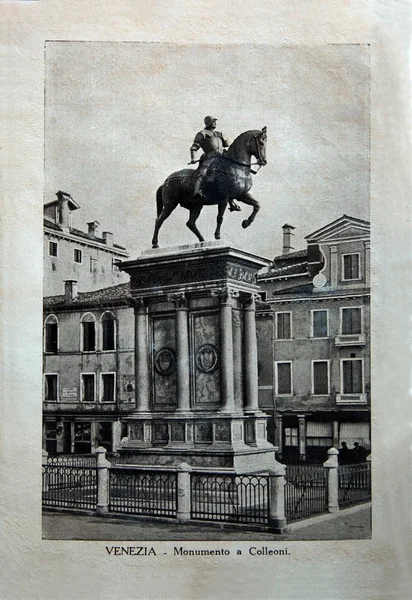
x=88, y=333
x=51, y=334
x=108, y=331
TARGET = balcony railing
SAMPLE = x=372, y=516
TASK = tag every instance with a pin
x=357, y=339
x=351, y=399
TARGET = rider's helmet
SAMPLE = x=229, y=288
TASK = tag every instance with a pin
x=209, y=120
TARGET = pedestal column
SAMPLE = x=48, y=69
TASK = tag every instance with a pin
x=182, y=351
x=142, y=385
x=237, y=360
x=226, y=353
x=250, y=356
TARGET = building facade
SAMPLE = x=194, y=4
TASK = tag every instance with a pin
x=314, y=342
x=88, y=364
x=72, y=254
x=313, y=339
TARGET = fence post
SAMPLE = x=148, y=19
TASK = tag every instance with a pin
x=183, y=492
x=103, y=466
x=333, y=494
x=45, y=474
x=277, y=519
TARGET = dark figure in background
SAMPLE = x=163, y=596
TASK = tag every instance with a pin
x=359, y=453
x=213, y=143
x=345, y=457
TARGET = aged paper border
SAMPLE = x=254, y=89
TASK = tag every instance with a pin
x=33, y=568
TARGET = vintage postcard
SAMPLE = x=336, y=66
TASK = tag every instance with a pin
x=202, y=278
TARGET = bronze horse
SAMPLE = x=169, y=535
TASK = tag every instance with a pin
x=228, y=177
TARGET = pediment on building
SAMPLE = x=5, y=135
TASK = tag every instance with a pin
x=344, y=229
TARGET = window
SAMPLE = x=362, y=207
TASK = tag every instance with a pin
x=319, y=434
x=104, y=435
x=53, y=248
x=77, y=255
x=352, y=376
x=51, y=335
x=283, y=378
x=291, y=436
x=115, y=264
x=351, y=268
x=320, y=323
x=88, y=333
x=351, y=321
x=320, y=377
x=108, y=381
x=88, y=386
x=51, y=387
x=283, y=325
x=108, y=332
x=83, y=438
x=93, y=265
x=51, y=437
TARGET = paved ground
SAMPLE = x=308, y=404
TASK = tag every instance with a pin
x=60, y=526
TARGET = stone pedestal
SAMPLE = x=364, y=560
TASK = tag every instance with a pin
x=196, y=360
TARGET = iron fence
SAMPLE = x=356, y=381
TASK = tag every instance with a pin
x=233, y=498
x=73, y=460
x=306, y=491
x=141, y=492
x=354, y=484
x=68, y=486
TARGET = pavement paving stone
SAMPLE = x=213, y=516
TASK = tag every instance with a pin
x=63, y=526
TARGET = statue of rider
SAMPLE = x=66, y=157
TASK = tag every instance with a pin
x=213, y=143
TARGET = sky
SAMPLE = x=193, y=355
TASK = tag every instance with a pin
x=120, y=117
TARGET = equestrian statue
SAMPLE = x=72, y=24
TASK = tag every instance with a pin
x=223, y=175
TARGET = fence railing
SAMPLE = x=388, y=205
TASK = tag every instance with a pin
x=66, y=486
x=285, y=494
x=306, y=491
x=354, y=484
x=231, y=498
x=142, y=493
x=73, y=460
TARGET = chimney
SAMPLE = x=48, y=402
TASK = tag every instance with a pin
x=93, y=225
x=64, y=210
x=108, y=238
x=287, y=238
x=70, y=290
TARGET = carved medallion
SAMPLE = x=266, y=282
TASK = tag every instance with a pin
x=207, y=358
x=165, y=361
x=319, y=280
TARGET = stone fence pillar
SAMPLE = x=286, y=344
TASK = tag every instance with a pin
x=45, y=474
x=277, y=518
x=103, y=466
x=183, y=492
x=333, y=493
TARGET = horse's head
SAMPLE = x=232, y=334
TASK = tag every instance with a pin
x=257, y=146
x=247, y=144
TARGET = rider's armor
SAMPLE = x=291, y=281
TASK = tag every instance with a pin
x=212, y=143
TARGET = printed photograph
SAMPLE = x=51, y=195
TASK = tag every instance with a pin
x=206, y=347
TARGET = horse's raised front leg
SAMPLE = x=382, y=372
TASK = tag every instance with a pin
x=249, y=199
x=219, y=220
x=194, y=213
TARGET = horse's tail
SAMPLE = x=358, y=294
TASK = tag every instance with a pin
x=159, y=200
